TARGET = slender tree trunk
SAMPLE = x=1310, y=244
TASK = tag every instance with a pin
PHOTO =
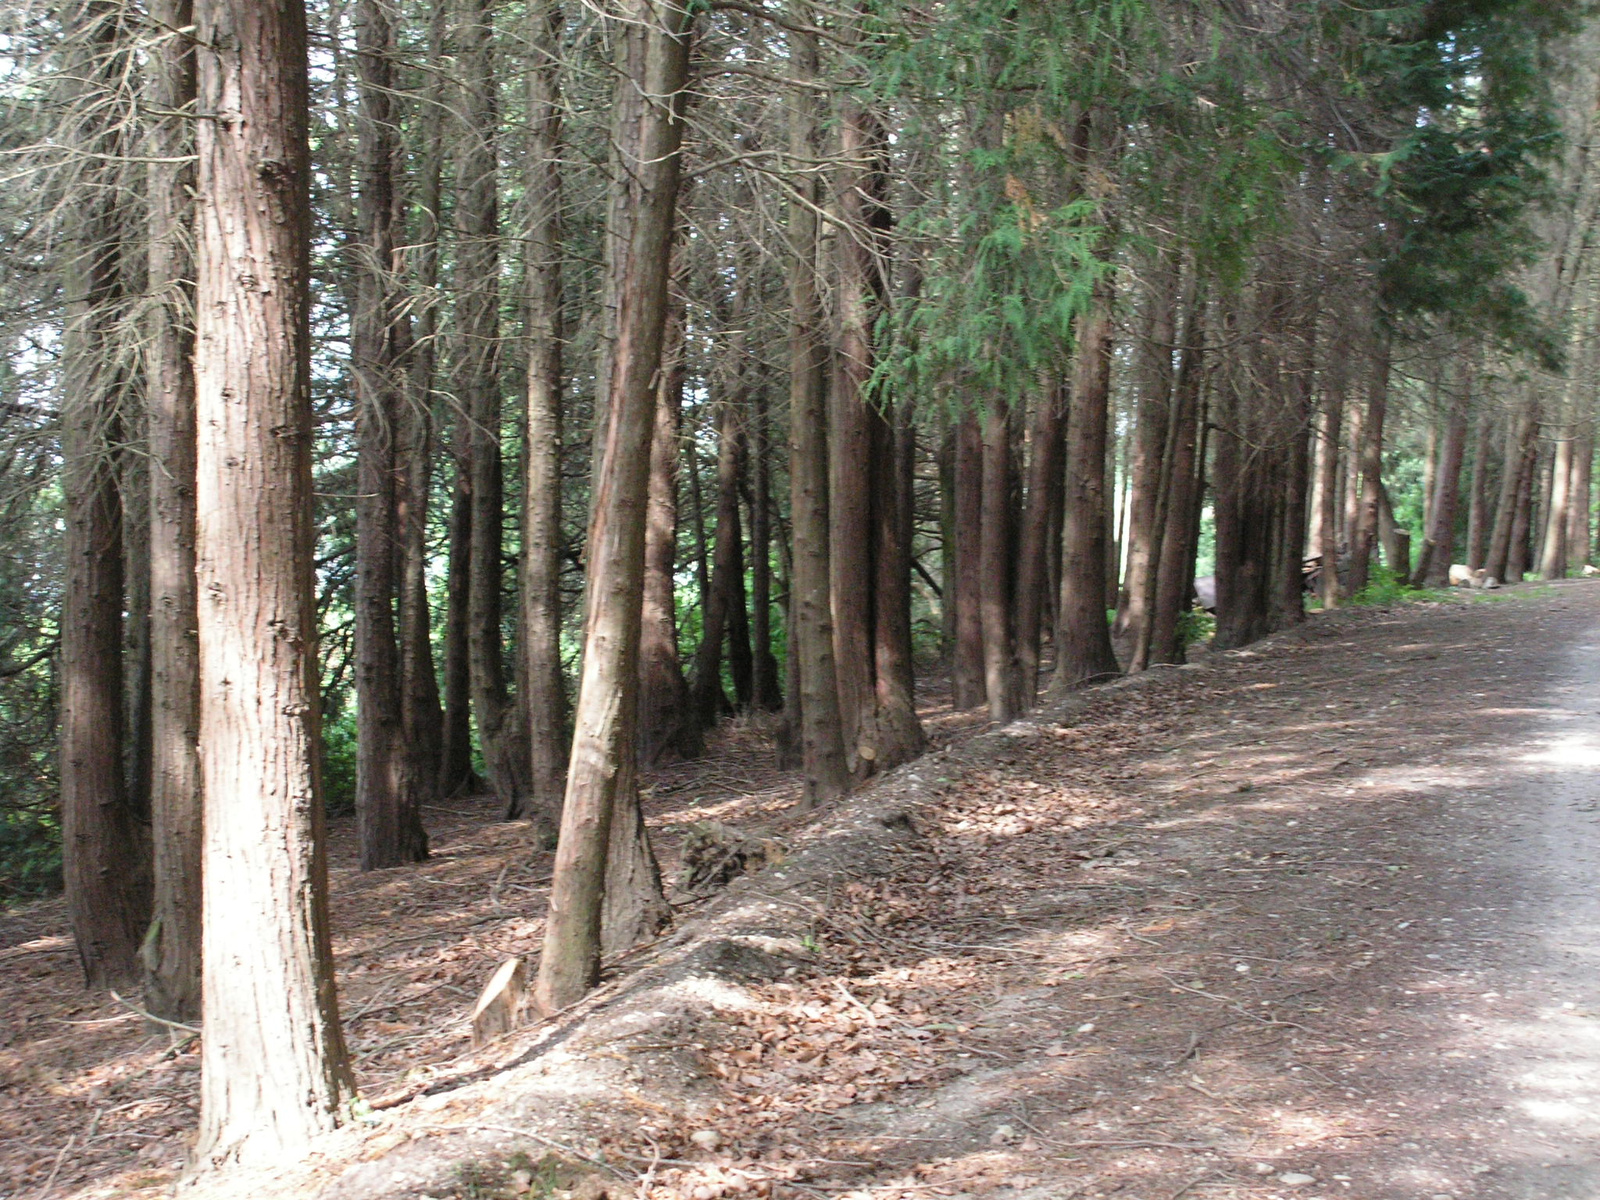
x=764, y=667
x=422, y=718
x=1581, y=496
x=1045, y=470
x=1478, y=497
x=1154, y=359
x=545, y=701
x=826, y=771
x=706, y=695
x=1185, y=458
x=869, y=566
x=273, y=1066
x=105, y=872
x=966, y=591
x=900, y=736
x=666, y=723
x=592, y=871
x=1519, y=551
x=996, y=562
x=1327, y=517
x=1366, y=529
x=1083, y=638
x=171, y=953
x=1553, y=553
x=388, y=816
x=456, y=775
x=1438, y=547
x=502, y=723
x=1521, y=440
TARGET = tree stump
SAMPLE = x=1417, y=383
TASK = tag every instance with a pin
x=499, y=1008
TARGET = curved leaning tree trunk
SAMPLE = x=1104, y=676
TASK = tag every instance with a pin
x=273, y=1062
x=172, y=949
x=654, y=52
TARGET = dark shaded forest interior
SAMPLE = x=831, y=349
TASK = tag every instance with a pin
x=575, y=454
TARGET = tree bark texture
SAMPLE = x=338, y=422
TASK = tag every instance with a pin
x=502, y=722
x=1439, y=543
x=996, y=560
x=869, y=565
x=821, y=734
x=273, y=1066
x=1154, y=379
x=1185, y=469
x=1083, y=637
x=666, y=725
x=388, y=810
x=965, y=590
x=545, y=699
x=105, y=872
x=171, y=952
x=1046, y=465
x=653, y=53
x=1365, y=539
x=1478, y=494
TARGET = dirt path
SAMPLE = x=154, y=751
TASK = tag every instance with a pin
x=1316, y=919
x=1319, y=919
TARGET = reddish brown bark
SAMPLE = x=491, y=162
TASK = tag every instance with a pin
x=602, y=858
x=965, y=591
x=1083, y=637
x=274, y=1072
x=105, y=873
x=1039, y=522
x=171, y=952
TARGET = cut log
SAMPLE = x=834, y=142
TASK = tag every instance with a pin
x=499, y=1008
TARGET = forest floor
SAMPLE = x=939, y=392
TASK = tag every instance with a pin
x=1319, y=918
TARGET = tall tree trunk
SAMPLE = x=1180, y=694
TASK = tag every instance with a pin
x=825, y=769
x=1581, y=496
x=1519, y=551
x=870, y=567
x=171, y=953
x=764, y=667
x=1185, y=458
x=592, y=870
x=727, y=567
x=966, y=590
x=1326, y=517
x=502, y=723
x=899, y=733
x=1517, y=468
x=104, y=869
x=1553, y=552
x=996, y=562
x=422, y=718
x=1083, y=638
x=456, y=774
x=1365, y=540
x=666, y=724
x=274, y=1071
x=1438, y=547
x=1478, y=494
x=1045, y=469
x=545, y=700
x=388, y=815
x=1154, y=367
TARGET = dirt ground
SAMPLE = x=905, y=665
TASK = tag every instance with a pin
x=1314, y=919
